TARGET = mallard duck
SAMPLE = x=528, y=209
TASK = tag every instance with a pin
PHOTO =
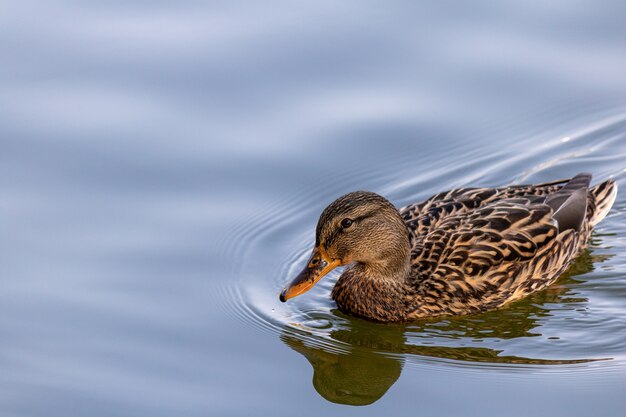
x=460, y=252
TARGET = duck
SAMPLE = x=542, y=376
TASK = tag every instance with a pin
x=462, y=251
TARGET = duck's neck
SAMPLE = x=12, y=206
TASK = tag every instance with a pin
x=389, y=272
x=376, y=290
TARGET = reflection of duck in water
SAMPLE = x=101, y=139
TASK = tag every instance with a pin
x=369, y=358
x=359, y=377
x=460, y=252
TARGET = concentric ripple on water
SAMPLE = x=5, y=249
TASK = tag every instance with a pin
x=577, y=325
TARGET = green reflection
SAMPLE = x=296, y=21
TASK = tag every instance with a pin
x=358, y=361
x=359, y=377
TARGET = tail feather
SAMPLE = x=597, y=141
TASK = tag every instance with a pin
x=604, y=195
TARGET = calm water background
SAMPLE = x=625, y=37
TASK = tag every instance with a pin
x=163, y=165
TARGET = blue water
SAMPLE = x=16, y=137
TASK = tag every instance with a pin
x=163, y=164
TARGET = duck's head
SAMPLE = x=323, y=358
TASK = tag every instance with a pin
x=361, y=227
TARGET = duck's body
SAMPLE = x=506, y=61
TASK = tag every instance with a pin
x=459, y=252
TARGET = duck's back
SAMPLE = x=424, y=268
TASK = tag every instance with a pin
x=475, y=249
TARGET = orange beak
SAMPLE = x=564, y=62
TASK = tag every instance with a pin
x=319, y=265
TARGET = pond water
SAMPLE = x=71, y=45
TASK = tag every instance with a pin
x=163, y=165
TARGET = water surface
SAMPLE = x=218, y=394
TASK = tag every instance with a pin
x=163, y=166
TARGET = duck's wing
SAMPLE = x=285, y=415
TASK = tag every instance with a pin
x=481, y=258
x=471, y=243
x=423, y=217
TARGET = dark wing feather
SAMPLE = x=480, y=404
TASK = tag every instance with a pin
x=570, y=203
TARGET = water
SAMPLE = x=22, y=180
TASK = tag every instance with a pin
x=163, y=166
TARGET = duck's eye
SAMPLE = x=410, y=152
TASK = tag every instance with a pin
x=345, y=223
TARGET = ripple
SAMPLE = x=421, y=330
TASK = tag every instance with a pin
x=563, y=325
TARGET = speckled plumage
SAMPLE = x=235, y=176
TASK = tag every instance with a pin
x=471, y=249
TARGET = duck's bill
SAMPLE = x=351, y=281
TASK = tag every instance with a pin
x=319, y=265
